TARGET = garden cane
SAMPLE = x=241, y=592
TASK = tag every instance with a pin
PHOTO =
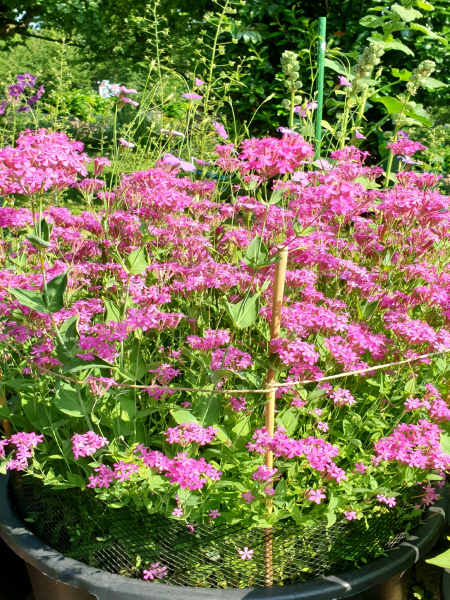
x=277, y=303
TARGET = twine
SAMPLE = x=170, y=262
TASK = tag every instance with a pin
x=265, y=390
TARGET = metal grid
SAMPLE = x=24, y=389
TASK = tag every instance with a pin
x=127, y=540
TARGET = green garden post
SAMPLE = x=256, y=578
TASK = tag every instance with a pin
x=320, y=81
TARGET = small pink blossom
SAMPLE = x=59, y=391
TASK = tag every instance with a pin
x=316, y=495
x=248, y=497
x=220, y=130
x=350, y=515
x=214, y=514
x=246, y=553
x=344, y=82
x=177, y=512
x=192, y=96
x=155, y=570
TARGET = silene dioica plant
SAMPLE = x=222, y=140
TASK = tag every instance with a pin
x=135, y=333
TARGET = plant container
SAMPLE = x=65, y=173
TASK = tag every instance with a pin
x=56, y=577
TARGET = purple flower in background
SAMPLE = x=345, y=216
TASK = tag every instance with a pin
x=127, y=91
x=285, y=130
x=220, y=130
x=409, y=161
x=26, y=80
x=302, y=111
x=344, y=82
x=155, y=570
x=37, y=97
x=199, y=82
x=129, y=101
x=2, y=107
x=172, y=132
x=199, y=161
x=22, y=109
x=359, y=136
x=125, y=143
x=403, y=134
x=15, y=90
x=192, y=96
x=174, y=161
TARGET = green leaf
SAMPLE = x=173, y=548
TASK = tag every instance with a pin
x=392, y=104
x=78, y=364
x=420, y=115
x=429, y=33
x=393, y=45
x=224, y=374
x=128, y=408
x=431, y=84
x=30, y=299
x=277, y=195
x=338, y=67
x=222, y=434
x=406, y=14
x=70, y=336
x=66, y=400
x=302, y=231
x=137, y=261
x=410, y=386
x=257, y=255
x=403, y=75
x=331, y=518
x=112, y=311
x=442, y=560
x=445, y=442
x=366, y=310
x=372, y=21
x=182, y=416
x=55, y=290
x=424, y=5
x=208, y=409
x=19, y=384
x=37, y=242
x=244, y=313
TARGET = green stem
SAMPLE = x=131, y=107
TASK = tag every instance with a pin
x=291, y=114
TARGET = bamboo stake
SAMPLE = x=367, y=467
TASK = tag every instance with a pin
x=6, y=424
x=275, y=323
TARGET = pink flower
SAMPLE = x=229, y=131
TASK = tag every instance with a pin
x=174, y=161
x=127, y=91
x=125, y=143
x=302, y=111
x=85, y=444
x=214, y=514
x=298, y=402
x=316, y=495
x=264, y=473
x=386, y=500
x=246, y=554
x=360, y=467
x=199, y=82
x=192, y=96
x=187, y=433
x=129, y=101
x=405, y=146
x=248, y=497
x=344, y=82
x=359, y=136
x=323, y=426
x=238, y=404
x=177, y=512
x=220, y=130
x=341, y=397
x=155, y=570
x=350, y=515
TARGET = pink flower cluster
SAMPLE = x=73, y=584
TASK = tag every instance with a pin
x=405, y=147
x=40, y=161
x=432, y=402
x=85, y=444
x=211, y=340
x=342, y=397
x=122, y=472
x=188, y=433
x=24, y=444
x=182, y=470
x=264, y=474
x=414, y=446
x=318, y=452
x=155, y=570
x=271, y=156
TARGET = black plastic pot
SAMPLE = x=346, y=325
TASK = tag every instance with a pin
x=55, y=577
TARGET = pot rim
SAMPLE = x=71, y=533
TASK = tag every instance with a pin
x=108, y=586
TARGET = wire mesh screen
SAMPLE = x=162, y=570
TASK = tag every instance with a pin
x=129, y=540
